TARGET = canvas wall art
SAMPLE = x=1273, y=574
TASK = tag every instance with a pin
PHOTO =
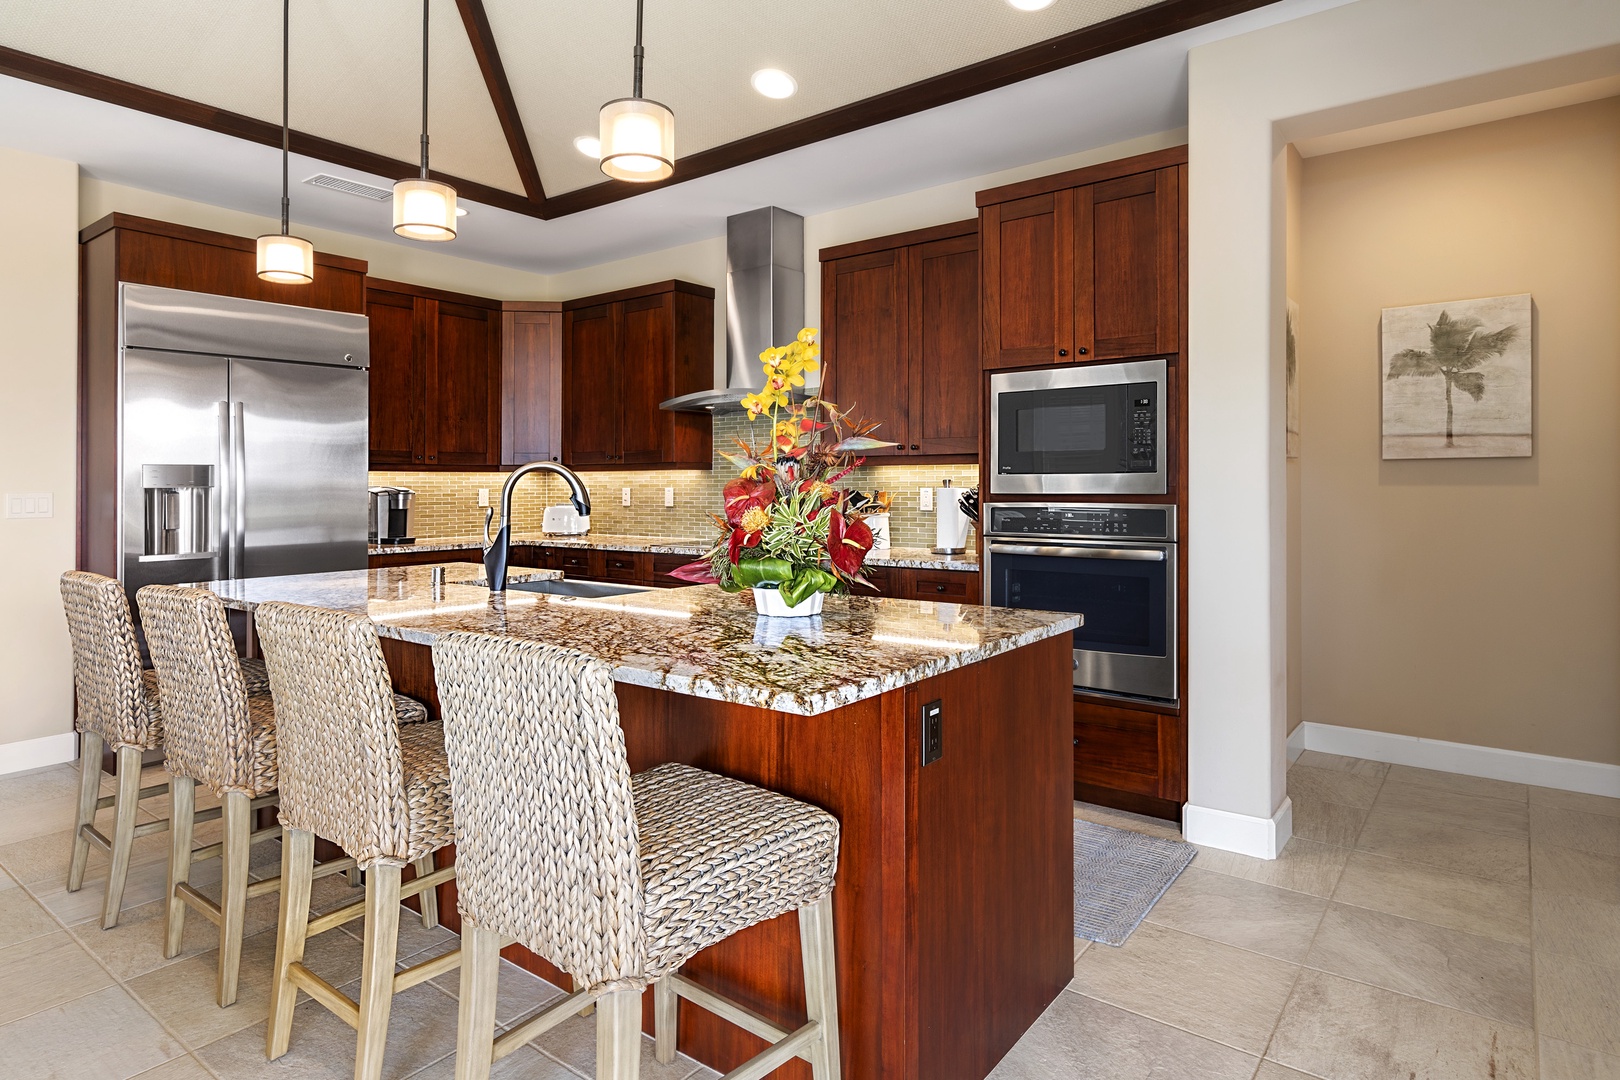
x=1457, y=379
x=1291, y=376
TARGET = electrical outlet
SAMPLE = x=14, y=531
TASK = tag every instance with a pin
x=483, y=497
x=33, y=505
x=624, y=496
x=669, y=496
x=933, y=747
x=925, y=499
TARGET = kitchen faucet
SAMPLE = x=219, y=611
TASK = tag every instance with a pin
x=499, y=551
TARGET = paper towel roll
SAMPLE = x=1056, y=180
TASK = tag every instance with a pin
x=950, y=523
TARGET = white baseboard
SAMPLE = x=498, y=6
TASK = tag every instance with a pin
x=1296, y=743
x=1516, y=766
x=1261, y=838
x=37, y=753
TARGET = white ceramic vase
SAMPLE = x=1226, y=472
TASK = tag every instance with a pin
x=769, y=602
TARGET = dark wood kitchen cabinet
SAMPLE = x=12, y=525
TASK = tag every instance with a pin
x=1084, y=265
x=900, y=337
x=531, y=382
x=435, y=377
x=623, y=353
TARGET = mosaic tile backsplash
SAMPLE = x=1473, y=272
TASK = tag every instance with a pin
x=447, y=503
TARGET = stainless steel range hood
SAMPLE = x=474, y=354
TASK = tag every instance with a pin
x=764, y=301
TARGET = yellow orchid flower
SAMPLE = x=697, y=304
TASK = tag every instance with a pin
x=807, y=335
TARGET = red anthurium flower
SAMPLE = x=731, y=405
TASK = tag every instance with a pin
x=848, y=541
x=742, y=495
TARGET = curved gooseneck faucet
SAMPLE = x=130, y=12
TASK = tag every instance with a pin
x=499, y=551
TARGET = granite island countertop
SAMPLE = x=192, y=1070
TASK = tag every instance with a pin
x=697, y=640
x=910, y=558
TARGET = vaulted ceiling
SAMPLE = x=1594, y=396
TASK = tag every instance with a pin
x=513, y=82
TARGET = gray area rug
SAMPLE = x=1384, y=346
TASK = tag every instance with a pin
x=1118, y=876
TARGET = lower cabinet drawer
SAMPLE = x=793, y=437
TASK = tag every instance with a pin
x=621, y=566
x=883, y=579
x=662, y=565
x=575, y=562
x=953, y=586
x=1130, y=750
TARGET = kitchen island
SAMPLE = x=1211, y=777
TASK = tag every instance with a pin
x=953, y=908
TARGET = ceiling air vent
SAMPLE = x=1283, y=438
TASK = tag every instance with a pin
x=350, y=187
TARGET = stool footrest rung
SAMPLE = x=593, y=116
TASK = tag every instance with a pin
x=426, y=970
x=205, y=907
x=744, y=1017
x=539, y=1024
x=322, y=923
x=422, y=884
x=342, y=1006
x=776, y=1055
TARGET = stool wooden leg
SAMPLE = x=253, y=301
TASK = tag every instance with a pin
x=128, y=801
x=665, y=1011
x=297, y=872
x=89, y=792
x=475, y=1021
x=237, y=818
x=429, y=898
x=182, y=819
x=377, y=969
x=821, y=986
x=355, y=878
x=618, y=1036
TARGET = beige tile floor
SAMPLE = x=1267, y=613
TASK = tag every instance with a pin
x=1420, y=926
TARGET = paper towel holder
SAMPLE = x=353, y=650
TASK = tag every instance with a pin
x=950, y=523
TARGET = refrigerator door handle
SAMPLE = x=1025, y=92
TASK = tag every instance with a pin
x=239, y=492
x=223, y=505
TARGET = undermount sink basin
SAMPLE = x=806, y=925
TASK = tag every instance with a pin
x=572, y=587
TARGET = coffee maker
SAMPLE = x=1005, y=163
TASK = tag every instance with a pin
x=392, y=520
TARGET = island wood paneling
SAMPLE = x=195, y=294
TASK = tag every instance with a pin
x=953, y=909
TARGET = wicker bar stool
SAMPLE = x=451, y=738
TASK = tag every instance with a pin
x=118, y=708
x=616, y=879
x=351, y=773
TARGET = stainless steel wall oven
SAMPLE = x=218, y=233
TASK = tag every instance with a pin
x=1115, y=564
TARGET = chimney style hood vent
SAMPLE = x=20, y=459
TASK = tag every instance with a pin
x=764, y=301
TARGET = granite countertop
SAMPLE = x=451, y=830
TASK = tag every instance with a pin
x=910, y=558
x=697, y=640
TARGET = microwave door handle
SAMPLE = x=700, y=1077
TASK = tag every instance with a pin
x=1077, y=552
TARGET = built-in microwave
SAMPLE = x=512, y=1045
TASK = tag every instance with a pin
x=1081, y=429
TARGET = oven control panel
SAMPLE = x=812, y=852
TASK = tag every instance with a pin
x=1081, y=520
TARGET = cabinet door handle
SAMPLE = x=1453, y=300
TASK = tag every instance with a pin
x=1063, y=352
x=1081, y=350
x=914, y=446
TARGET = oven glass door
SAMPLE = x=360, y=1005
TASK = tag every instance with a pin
x=1126, y=593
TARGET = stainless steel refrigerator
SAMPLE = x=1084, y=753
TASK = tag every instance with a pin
x=243, y=437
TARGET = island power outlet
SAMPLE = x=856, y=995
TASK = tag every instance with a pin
x=933, y=745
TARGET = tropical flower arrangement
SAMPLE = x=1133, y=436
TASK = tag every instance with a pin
x=788, y=531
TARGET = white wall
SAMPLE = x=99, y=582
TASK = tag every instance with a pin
x=1349, y=67
x=39, y=289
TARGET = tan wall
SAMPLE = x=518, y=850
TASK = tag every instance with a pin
x=1476, y=601
x=38, y=350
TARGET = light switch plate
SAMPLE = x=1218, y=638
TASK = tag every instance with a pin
x=624, y=496
x=483, y=497
x=669, y=496
x=925, y=499
x=32, y=505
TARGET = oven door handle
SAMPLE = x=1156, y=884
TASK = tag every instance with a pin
x=1079, y=552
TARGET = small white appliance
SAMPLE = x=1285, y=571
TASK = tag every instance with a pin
x=879, y=524
x=564, y=520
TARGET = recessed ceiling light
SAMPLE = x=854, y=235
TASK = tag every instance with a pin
x=1030, y=5
x=461, y=211
x=775, y=84
x=589, y=145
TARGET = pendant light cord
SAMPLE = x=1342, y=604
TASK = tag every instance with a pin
x=286, y=18
x=639, y=54
x=424, y=89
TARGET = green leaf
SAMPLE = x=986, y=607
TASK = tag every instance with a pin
x=763, y=571
x=806, y=583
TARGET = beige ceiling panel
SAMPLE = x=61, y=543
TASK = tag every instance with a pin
x=356, y=67
x=565, y=58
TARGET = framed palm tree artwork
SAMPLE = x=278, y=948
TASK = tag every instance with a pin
x=1457, y=379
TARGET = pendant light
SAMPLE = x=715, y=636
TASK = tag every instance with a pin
x=285, y=259
x=424, y=209
x=638, y=135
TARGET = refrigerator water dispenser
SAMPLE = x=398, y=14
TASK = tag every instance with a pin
x=178, y=500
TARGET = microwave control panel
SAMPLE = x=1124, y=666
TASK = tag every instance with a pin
x=1081, y=520
x=1142, y=402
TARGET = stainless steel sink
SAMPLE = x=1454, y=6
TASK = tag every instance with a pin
x=576, y=587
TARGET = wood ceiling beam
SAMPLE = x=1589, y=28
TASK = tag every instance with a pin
x=1087, y=43
x=59, y=76
x=482, y=37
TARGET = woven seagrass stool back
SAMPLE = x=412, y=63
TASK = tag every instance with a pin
x=350, y=773
x=118, y=707
x=616, y=879
x=219, y=729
